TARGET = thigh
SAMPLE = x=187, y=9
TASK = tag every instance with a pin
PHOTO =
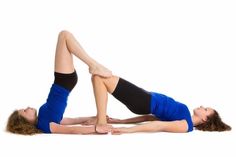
x=63, y=58
x=111, y=83
x=135, y=98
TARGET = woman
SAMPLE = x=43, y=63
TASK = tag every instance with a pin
x=165, y=113
x=50, y=117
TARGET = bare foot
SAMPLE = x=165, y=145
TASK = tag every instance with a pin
x=100, y=70
x=103, y=128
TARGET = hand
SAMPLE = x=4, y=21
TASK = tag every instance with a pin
x=119, y=131
x=87, y=130
x=113, y=120
x=90, y=121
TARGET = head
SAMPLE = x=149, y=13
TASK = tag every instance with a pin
x=23, y=121
x=209, y=120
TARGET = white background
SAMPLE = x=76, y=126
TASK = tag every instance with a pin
x=185, y=49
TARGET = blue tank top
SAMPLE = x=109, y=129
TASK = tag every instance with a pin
x=53, y=109
x=167, y=109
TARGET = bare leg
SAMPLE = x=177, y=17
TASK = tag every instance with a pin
x=66, y=45
x=101, y=88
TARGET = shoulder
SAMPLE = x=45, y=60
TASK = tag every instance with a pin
x=187, y=117
x=42, y=122
x=62, y=129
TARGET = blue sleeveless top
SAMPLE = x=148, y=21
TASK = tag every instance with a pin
x=53, y=109
x=167, y=109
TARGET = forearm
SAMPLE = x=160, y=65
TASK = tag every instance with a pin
x=148, y=127
x=161, y=126
x=74, y=121
x=132, y=120
x=138, y=119
x=83, y=130
x=62, y=129
x=155, y=126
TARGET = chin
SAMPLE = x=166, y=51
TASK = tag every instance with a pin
x=35, y=113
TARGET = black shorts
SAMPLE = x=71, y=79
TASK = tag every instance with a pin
x=68, y=81
x=136, y=99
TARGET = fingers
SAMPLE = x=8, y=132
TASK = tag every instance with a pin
x=116, y=131
x=86, y=123
x=119, y=131
x=113, y=120
x=103, y=128
x=91, y=121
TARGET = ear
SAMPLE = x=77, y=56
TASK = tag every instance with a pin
x=204, y=119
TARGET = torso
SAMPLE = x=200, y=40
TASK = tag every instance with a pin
x=167, y=109
x=53, y=109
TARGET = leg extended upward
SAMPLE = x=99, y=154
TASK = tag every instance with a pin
x=68, y=45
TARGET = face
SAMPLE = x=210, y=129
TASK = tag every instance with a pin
x=203, y=112
x=29, y=113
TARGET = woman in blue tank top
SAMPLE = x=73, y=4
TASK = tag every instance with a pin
x=165, y=113
x=50, y=117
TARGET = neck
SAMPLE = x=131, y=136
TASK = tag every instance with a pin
x=196, y=120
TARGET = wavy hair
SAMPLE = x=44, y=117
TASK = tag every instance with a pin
x=19, y=125
x=213, y=123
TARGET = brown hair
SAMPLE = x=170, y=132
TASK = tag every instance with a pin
x=19, y=125
x=213, y=123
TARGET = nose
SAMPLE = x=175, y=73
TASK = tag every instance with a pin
x=28, y=108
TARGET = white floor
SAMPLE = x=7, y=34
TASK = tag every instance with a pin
x=157, y=144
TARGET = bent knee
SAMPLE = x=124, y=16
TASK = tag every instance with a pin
x=96, y=78
x=63, y=34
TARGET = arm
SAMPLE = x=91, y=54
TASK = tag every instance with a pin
x=78, y=120
x=132, y=120
x=62, y=129
x=155, y=126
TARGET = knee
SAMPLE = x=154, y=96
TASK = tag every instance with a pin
x=63, y=34
x=96, y=78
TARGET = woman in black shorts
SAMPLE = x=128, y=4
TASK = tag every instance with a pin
x=165, y=113
x=50, y=117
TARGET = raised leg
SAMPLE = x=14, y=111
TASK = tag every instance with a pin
x=63, y=57
x=68, y=45
x=101, y=87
